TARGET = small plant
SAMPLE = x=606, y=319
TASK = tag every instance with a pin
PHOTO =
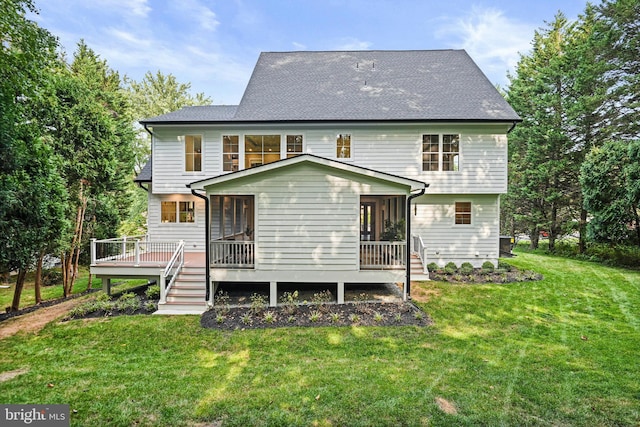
x=269, y=317
x=290, y=301
x=246, y=319
x=398, y=318
x=378, y=317
x=418, y=315
x=354, y=318
x=334, y=317
x=220, y=318
x=321, y=299
x=153, y=292
x=258, y=303
x=488, y=267
x=128, y=301
x=291, y=319
x=466, y=268
x=221, y=302
x=103, y=297
x=433, y=267
x=450, y=268
x=150, y=306
x=457, y=277
x=79, y=311
x=315, y=315
x=504, y=266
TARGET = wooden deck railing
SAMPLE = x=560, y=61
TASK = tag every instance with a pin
x=232, y=254
x=171, y=271
x=420, y=248
x=383, y=255
x=137, y=250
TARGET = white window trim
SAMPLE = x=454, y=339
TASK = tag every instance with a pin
x=351, y=147
x=241, y=145
x=471, y=223
x=182, y=139
x=240, y=150
x=177, y=211
x=441, y=152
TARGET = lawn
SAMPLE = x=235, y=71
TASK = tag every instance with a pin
x=561, y=351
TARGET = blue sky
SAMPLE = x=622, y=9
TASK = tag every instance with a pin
x=215, y=44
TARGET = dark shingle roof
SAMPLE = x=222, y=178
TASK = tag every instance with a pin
x=430, y=85
x=202, y=113
x=146, y=173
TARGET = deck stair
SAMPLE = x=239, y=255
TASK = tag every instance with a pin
x=187, y=294
x=417, y=270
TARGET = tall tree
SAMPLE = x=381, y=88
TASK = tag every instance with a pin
x=89, y=121
x=610, y=178
x=32, y=194
x=154, y=95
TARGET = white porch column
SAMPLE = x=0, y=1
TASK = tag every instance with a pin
x=106, y=285
x=163, y=290
x=273, y=294
x=340, y=292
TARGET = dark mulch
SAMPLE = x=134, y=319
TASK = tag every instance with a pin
x=350, y=314
x=43, y=304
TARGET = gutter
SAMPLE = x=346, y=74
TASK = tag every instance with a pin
x=513, y=126
x=408, y=238
x=207, y=238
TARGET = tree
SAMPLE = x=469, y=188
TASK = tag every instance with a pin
x=155, y=95
x=32, y=194
x=89, y=118
x=610, y=179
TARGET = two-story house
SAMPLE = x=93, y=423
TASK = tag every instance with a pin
x=335, y=167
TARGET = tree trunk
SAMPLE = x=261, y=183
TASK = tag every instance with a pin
x=534, y=235
x=38, y=279
x=72, y=258
x=17, y=292
x=89, y=284
x=635, y=212
x=582, y=241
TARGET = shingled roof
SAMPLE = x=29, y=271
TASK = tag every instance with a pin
x=424, y=85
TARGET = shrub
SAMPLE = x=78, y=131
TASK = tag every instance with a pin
x=450, y=268
x=315, y=315
x=153, y=292
x=488, y=267
x=258, y=303
x=504, y=266
x=433, y=267
x=354, y=318
x=334, y=317
x=221, y=302
x=466, y=268
x=290, y=301
x=51, y=277
x=103, y=297
x=129, y=303
x=150, y=306
x=378, y=317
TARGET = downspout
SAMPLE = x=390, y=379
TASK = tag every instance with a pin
x=408, y=238
x=144, y=188
x=513, y=126
x=207, y=238
x=150, y=133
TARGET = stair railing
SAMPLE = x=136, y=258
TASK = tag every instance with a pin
x=171, y=271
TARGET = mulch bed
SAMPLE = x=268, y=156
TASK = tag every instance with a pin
x=350, y=314
x=48, y=303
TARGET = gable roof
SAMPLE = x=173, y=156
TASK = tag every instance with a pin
x=418, y=85
x=146, y=173
x=312, y=159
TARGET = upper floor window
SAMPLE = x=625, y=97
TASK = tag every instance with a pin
x=261, y=149
x=441, y=152
x=343, y=146
x=463, y=213
x=230, y=152
x=193, y=153
x=294, y=145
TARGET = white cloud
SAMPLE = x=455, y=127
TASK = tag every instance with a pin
x=198, y=12
x=137, y=8
x=350, y=43
x=492, y=40
x=299, y=46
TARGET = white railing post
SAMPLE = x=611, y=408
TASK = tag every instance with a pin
x=124, y=247
x=137, y=252
x=163, y=290
x=93, y=251
x=424, y=260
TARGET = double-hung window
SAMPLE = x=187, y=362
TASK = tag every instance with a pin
x=294, y=145
x=193, y=153
x=441, y=152
x=343, y=146
x=230, y=152
x=463, y=213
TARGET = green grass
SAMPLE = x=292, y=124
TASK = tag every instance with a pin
x=53, y=292
x=562, y=351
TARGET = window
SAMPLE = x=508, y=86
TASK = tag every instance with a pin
x=441, y=154
x=450, y=152
x=169, y=212
x=230, y=150
x=193, y=153
x=343, y=146
x=187, y=211
x=463, y=213
x=294, y=145
x=430, y=152
x=261, y=149
x=232, y=218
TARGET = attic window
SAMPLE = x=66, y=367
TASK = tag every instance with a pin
x=343, y=146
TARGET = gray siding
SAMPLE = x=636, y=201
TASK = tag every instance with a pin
x=446, y=241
